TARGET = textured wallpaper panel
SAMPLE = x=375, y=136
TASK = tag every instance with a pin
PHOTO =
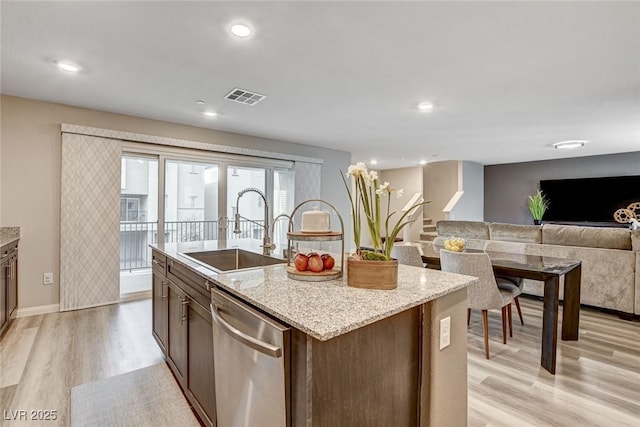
x=308, y=179
x=89, y=221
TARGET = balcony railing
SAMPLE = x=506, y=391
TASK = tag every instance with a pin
x=135, y=237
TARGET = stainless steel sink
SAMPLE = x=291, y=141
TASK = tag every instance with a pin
x=232, y=259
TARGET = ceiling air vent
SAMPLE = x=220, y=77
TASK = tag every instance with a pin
x=244, y=96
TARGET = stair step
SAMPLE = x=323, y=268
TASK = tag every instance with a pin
x=428, y=236
x=429, y=228
x=427, y=221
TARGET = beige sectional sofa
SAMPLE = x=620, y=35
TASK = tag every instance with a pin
x=610, y=256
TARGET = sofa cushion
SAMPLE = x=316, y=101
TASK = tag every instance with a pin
x=588, y=237
x=608, y=278
x=464, y=229
x=515, y=233
x=635, y=240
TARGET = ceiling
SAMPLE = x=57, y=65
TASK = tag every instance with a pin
x=506, y=79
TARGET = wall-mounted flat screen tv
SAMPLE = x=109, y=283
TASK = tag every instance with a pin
x=589, y=199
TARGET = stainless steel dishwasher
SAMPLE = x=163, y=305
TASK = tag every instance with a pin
x=251, y=361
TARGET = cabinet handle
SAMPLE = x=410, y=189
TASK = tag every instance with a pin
x=185, y=303
x=164, y=296
x=206, y=282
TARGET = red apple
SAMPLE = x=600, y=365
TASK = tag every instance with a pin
x=327, y=261
x=301, y=262
x=315, y=263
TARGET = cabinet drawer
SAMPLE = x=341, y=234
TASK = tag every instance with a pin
x=183, y=274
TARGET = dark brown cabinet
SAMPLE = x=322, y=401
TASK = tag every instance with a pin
x=178, y=315
x=160, y=309
x=200, y=355
x=182, y=328
x=8, y=284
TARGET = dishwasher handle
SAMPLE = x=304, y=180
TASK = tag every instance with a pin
x=262, y=347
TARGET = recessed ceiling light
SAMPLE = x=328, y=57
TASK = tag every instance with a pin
x=423, y=162
x=67, y=66
x=569, y=145
x=240, y=30
x=374, y=162
x=425, y=107
x=200, y=102
x=210, y=113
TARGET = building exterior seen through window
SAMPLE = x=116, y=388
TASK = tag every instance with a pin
x=195, y=205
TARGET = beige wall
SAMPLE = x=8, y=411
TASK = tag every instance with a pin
x=440, y=184
x=448, y=367
x=410, y=180
x=30, y=171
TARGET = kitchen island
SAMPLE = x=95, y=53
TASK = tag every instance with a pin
x=356, y=356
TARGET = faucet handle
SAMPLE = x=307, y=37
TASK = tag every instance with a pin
x=236, y=228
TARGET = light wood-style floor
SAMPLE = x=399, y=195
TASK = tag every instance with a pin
x=43, y=357
x=597, y=383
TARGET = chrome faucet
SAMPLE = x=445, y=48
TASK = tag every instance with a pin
x=267, y=246
x=289, y=228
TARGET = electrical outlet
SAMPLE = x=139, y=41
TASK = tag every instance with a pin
x=47, y=279
x=445, y=332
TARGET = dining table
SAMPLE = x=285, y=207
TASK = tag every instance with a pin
x=546, y=269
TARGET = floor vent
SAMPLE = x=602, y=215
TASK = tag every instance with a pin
x=244, y=96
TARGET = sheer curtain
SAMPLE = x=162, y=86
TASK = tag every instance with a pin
x=89, y=221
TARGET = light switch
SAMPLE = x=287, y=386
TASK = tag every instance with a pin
x=445, y=332
x=47, y=279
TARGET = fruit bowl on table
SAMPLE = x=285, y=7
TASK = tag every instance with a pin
x=313, y=266
x=455, y=244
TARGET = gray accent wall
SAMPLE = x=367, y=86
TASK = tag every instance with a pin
x=507, y=186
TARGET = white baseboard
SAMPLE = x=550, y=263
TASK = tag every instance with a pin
x=55, y=308
x=41, y=309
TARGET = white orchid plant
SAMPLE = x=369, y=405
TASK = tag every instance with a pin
x=365, y=195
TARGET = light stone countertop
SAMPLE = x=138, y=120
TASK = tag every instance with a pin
x=9, y=235
x=323, y=310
